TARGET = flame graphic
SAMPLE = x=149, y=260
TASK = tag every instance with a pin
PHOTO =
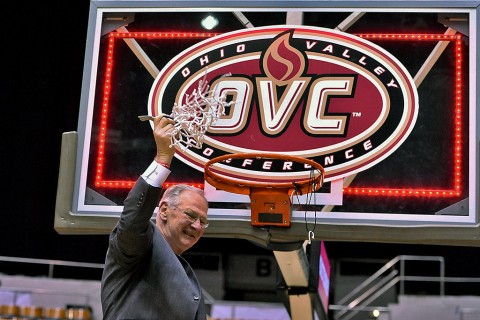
x=281, y=61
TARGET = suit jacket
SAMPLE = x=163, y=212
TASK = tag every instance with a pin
x=143, y=278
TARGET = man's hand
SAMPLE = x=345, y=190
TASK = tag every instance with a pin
x=162, y=129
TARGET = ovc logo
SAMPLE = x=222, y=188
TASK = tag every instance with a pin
x=317, y=93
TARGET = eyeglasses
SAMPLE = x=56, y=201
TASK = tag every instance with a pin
x=193, y=217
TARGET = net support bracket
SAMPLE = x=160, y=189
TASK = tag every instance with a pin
x=270, y=207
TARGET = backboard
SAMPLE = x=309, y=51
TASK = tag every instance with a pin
x=382, y=94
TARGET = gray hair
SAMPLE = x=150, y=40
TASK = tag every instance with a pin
x=171, y=195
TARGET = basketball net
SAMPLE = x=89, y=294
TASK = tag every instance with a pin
x=202, y=108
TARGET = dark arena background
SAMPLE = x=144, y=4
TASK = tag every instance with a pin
x=413, y=214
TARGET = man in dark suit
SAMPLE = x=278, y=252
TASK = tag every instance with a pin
x=145, y=276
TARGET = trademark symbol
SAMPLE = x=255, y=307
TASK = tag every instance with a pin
x=357, y=114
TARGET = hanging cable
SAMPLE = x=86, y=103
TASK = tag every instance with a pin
x=309, y=195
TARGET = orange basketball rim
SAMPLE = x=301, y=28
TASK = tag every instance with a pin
x=270, y=200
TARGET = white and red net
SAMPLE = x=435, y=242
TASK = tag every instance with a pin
x=202, y=108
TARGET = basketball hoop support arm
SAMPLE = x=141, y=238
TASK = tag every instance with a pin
x=295, y=270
